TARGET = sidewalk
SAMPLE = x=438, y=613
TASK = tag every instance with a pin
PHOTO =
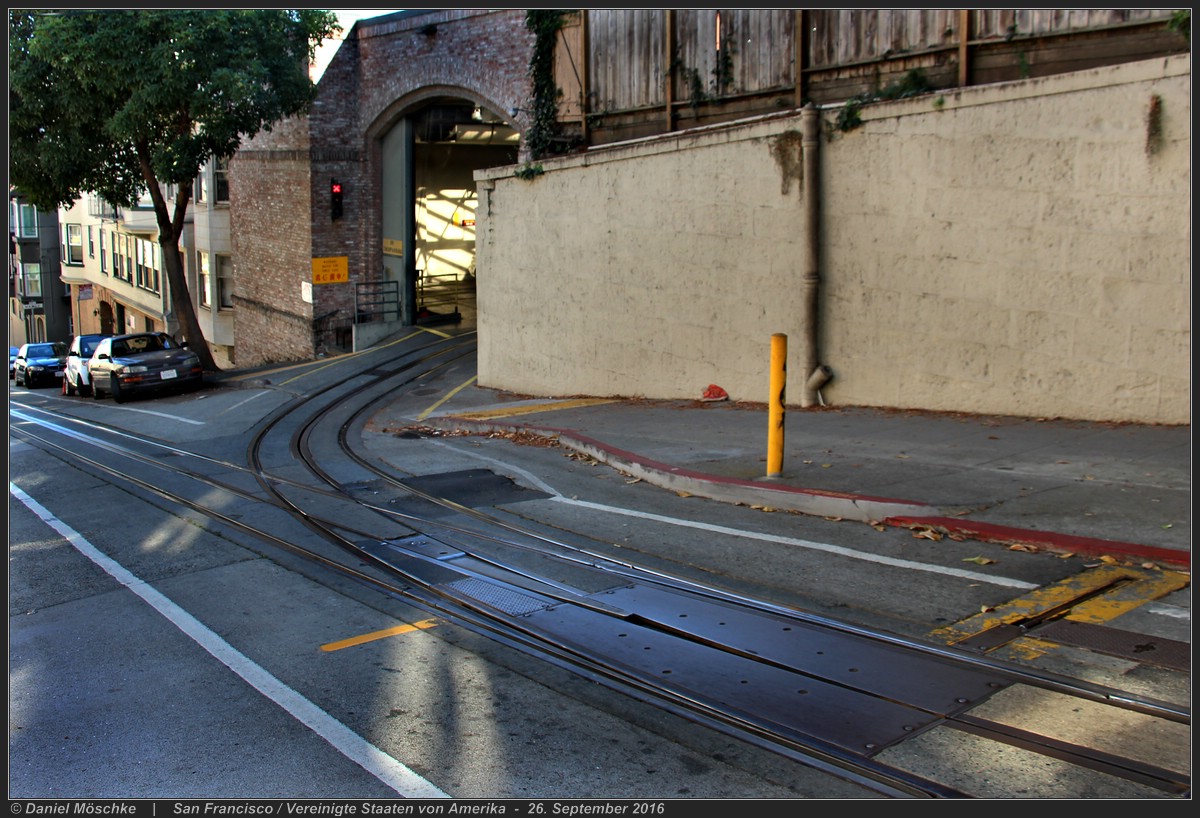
x=1104, y=489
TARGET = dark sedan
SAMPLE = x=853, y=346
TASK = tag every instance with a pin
x=142, y=362
x=38, y=364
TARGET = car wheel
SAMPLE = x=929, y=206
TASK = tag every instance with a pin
x=114, y=386
x=85, y=388
x=68, y=387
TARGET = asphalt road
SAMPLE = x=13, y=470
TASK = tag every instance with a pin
x=156, y=654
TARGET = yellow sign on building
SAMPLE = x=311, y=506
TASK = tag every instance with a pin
x=393, y=247
x=331, y=270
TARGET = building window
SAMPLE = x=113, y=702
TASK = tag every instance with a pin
x=103, y=254
x=123, y=257
x=202, y=279
x=225, y=282
x=72, y=244
x=201, y=188
x=91, y=242
x=147, y=265
x=28, y=221
x=221, y=180
x=140, y=262
x=31, y=280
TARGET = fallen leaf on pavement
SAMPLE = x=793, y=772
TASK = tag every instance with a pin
x=1018, y=546
x=980, y=560
x=926, y=534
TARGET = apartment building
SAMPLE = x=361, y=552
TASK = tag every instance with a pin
x=113, y=269
x=37, y=303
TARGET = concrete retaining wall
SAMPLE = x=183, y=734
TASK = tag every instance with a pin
x=1021, y=248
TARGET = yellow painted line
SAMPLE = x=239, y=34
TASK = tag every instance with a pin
x=530, y=409
x=424, y=624
x=1133, y=587
x=435, y=332
x=1125, y=598
x=449, y=395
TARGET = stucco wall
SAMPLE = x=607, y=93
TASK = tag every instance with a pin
x=1021, y=248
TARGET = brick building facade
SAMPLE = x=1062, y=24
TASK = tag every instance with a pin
x=390, y=72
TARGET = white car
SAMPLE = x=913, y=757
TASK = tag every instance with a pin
x=76, y=378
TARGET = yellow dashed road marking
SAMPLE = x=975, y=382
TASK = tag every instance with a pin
x=424, y=624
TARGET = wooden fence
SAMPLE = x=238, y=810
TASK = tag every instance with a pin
x=633, y=72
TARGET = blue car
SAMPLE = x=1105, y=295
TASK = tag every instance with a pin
x=38, y=364
x=12, y=361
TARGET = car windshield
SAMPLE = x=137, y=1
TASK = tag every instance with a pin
x=88, y=346
x=55, y=350
x=140, y=343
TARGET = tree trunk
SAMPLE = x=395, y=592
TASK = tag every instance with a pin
x=181, y=301
x=169, y=232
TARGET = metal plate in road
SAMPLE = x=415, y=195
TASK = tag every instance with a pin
x=906, y=676
x=785, y=701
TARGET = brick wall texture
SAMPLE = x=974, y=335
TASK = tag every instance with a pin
x=279, y=180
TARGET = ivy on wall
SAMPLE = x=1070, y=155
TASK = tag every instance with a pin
x=545, y=25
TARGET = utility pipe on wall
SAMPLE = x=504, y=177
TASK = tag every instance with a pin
x=810, y=139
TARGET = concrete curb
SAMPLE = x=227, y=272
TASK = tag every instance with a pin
x=1047, y=540
x=817, y=502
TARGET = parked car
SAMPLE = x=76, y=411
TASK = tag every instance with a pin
x=142, y=362
x=76, y=378
x=12, y=361
x=40, y=363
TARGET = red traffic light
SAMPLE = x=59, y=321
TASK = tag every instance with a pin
x=335, y=199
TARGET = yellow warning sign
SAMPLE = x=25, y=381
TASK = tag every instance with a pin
x=393, y=247
x=331, y=270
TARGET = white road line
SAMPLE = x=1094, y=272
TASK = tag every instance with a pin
x=541, y=485
x=400, y=778
x=163, y=415
x=242, y=402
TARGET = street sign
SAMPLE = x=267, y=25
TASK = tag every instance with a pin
x=331, y=270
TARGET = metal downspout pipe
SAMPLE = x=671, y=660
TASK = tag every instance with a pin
x=813, y=375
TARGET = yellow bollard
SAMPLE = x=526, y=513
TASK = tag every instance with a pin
x=775, y=413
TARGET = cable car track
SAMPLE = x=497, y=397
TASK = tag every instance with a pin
x=708, y=664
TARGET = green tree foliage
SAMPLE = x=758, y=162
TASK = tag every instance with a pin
x=121, y=102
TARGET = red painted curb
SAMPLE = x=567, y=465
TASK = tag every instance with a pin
x=1067, y=543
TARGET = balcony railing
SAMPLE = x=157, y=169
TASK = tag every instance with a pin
x=100, y=209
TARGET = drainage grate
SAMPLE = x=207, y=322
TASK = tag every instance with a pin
x=502, y=599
